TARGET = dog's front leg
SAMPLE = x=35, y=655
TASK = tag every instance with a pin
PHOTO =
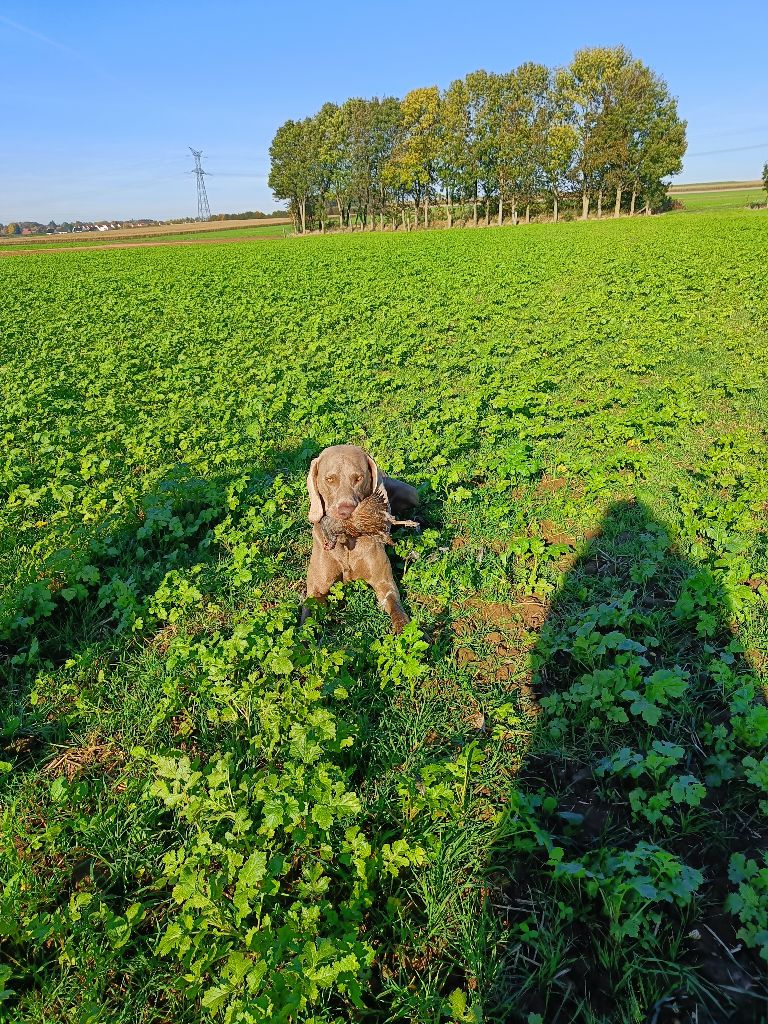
x=374, y=567
x=324, y=570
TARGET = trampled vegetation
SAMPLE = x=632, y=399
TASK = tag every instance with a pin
x=545, y=801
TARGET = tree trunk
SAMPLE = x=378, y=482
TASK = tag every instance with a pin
x=474, y=210
x=448, y=209
x=403, y=213
x=426, y=212
x=585, y=205
x=617, y=207
x=599, y=204
x=487, y=210
x=632, y=204
x=647, y=208
x=528, y=213
x=501, y=210
x=554, y=211
x=303, y=216
x=514, y=212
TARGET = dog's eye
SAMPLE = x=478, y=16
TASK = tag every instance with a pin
x=331, y=479
x=356, y=479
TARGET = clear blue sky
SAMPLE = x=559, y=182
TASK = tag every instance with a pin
x=100, y=100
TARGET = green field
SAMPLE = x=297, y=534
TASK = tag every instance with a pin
x=719, y=201
x=99, y=238
x=546, y=801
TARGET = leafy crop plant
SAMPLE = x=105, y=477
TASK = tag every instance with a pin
x=545, y=800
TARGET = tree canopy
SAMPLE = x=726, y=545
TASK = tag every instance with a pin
x=534, y=136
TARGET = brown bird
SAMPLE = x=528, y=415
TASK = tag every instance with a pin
x=371, y=518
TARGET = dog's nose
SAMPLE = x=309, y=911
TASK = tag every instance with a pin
x=345, y=509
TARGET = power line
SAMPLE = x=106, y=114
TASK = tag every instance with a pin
x=233, y=174
x=203, y=209
x=732, y=149
x=719, y=133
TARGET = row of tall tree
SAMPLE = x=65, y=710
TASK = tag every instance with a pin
x=495, y=144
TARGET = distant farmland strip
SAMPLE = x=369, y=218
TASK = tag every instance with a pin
x=195, y=227
x=96, y=242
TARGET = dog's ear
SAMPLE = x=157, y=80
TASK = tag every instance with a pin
x=316, y=506
x=375, y=474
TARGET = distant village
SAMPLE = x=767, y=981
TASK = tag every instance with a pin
x=32, y=227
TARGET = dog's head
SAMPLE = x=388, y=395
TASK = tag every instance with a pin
x=339, y=478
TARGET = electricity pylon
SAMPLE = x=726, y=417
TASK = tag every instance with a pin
x=203, y=209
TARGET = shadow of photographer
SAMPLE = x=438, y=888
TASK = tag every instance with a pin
x=639, y=802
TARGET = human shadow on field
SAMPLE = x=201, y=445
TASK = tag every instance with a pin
x=89, y=598
x=631, y=608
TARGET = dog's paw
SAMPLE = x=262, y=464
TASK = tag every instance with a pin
x=399, y=620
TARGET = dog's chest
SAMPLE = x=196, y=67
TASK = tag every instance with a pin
x=352, y=555
x=347, y=555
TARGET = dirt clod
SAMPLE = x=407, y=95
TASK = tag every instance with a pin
x=465, y=656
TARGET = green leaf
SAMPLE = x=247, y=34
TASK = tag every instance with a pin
x=170, y=938
x=253, y=870
x=215, y=998
x=323, y=816
x=59, y=790
x=645, y=888
x=281, y=664
x=457, y=1001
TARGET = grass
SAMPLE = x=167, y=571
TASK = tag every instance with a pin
x=711, y=202
x=546, y=800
